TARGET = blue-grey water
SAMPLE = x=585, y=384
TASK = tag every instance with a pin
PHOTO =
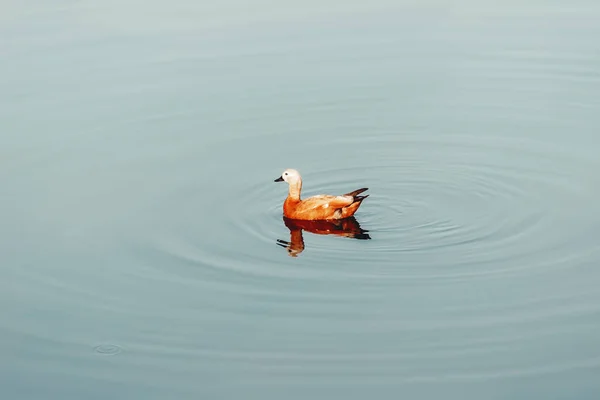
x=139, y=218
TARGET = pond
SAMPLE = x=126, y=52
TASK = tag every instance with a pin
x=143, y=249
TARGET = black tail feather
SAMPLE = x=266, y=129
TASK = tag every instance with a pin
x=356, y=192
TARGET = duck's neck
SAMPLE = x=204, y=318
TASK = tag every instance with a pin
x=294, y=191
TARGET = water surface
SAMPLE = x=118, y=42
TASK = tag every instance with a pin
x=139, y=251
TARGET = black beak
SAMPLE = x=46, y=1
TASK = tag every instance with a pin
x=280, y=179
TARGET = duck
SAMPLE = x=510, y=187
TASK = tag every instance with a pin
x=319, y=207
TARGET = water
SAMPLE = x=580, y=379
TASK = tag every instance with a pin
x=140, y=221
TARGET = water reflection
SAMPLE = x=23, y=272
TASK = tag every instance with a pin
x=348, y=227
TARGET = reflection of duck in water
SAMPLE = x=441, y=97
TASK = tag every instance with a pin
x=321, y=207
x=348, y=227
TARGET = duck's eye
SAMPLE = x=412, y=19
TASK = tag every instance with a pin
x=285, y=173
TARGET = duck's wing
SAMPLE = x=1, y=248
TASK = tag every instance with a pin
x=321, y=207
x=328, y=201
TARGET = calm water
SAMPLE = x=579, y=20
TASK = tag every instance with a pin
x=138, y=245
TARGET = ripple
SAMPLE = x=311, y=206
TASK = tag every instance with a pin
x=108, y=349
x=457, y=211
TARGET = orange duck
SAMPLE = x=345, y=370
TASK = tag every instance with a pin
x=320, y=207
